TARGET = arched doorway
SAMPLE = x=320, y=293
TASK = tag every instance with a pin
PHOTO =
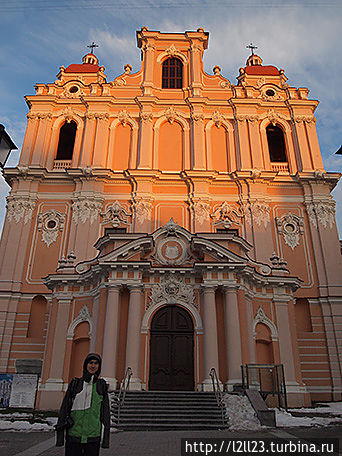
x=172, y=350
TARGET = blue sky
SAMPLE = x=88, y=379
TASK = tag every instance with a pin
x=300, y=36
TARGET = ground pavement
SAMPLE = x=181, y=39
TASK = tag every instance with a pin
x=163, y=443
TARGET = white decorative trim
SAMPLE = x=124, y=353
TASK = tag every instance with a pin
x=261, y=317
x=259, y=213
x=83, y=316
x=116, y=214
x=145, y=325
x=171, y=289
x=201, y=210
x=291, y=226
x=85, y=208
x=20, y=207
x=227, y=214
x=322, y=211
x=142, y=208
x=50, y=224
x=172, y=51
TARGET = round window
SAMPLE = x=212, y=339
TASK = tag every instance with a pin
x=73, y=89
x=270, y=93
x=290, y=228
x=51, y=224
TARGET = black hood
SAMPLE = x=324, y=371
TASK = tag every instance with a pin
x=86, y=375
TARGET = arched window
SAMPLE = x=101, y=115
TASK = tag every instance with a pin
x=172, y=74
x=66, y=141
x=276, y=143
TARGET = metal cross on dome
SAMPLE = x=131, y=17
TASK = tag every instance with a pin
x=92, y=46
x=251, y=47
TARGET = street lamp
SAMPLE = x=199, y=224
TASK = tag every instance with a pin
x=6, y=145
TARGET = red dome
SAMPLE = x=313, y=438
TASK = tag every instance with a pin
x=82, y=68
x=262, y=70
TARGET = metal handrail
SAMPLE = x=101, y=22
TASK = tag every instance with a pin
x=218, y=393
x=123, y=389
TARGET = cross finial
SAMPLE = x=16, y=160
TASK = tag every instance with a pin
x=92, y=46
x=251, y=47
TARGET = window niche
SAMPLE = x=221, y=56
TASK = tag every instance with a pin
x=36, y=323
x=276, y=144
x=66, y=141
x=172, y=74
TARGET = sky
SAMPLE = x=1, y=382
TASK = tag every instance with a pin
x=301, y=36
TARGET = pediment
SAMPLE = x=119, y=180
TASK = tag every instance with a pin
x=172, y=245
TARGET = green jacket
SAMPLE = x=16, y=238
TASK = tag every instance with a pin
x=88, y=406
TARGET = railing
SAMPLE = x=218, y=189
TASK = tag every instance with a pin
x=218, y=394
x=123, y=389
x=268, y=379
x=62, y=164
x=280, y=166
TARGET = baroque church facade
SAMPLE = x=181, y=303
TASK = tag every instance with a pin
x=173, y=222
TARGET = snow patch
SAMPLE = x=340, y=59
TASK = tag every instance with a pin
x=240, y=413
x=23, y=426
x=285, y=419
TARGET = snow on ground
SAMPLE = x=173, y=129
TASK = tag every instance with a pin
x=333, y=408
x=241, y=415
x=24, y=426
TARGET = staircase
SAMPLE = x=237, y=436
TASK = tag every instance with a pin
x=167, y=410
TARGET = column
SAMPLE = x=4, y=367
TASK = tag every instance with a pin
x=29, y=139
x=145, y=146
x=110, y=338
x=101, y=141
x=288, y=353
x=233, y=338
x=133, y=335
x=244, y=156
x=58, y=345
x=210, y=337
x=257, y=159
x=88, y=142
x=303, y=149
x=197, y=141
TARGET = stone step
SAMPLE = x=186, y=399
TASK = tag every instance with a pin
x=168, y=427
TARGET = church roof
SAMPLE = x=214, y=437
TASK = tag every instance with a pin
x=262, y=70
x=82, y=68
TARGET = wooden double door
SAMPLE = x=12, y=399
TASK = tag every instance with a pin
x=172, y=350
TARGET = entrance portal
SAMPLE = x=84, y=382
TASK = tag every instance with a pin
x=172, y=350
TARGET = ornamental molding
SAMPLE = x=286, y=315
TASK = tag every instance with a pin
x=307, y=119
x=69, y=114
x=259, y=213
x=273, y=116
x=201, y=210
x=39, y=115
x=146, y=116
x=85, y=208
x=83, y=316
x=171, y=114
x=142, y=209
x=124, y=117
x=291, y=227
x=218, y=118
x=246, y=117
x=20, y=208
x=197, y=117
x=195, y=47
x=172, y=289
x=172, y=51
x=322, y=211
x=97, y=115
x=228, y=214
x=116, y=214
x=261, y=317
x=50, y=223
x=149, y=47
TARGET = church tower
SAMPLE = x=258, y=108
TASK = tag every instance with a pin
x=173, y=222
